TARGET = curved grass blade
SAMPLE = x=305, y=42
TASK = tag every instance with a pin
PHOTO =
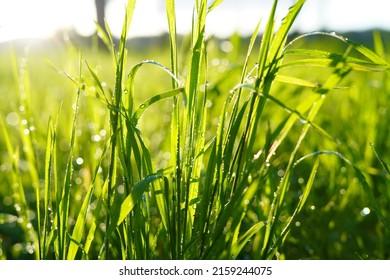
x=214, y=5
x=385, y=165
x=119, y=214
x=301, y=203
x=362, y=179
x=138, y=113
x=79, y=227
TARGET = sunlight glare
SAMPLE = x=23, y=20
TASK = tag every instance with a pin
x=43, y=18
x=148, y=18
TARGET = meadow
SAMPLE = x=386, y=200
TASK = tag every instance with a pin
x=195, y=147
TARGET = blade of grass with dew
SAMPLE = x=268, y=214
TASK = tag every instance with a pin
x=101, y=94
x=214, y=170
x=213, y=5
x=64, y=200
x=362, y=179
x=281, y=238
x=237, y=243
x=50, y=150
x=378, y=44
x=133, y=198
x=193, y=124
x=114, y=115
x=171, y=16
x=22, y=79
x=18, y=192
x=81, y=220
x=175, y=137
x=385, y=165
x=271, y=54
x=263, y=82
x=340, y=71
x=229, y=215
x=133, y=136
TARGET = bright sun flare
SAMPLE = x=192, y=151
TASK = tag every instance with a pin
x=42, y=18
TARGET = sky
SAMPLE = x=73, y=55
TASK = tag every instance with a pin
x=42, y=18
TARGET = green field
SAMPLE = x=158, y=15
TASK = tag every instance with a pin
x=269, y=147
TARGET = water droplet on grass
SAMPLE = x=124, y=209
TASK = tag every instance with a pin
x=226, y=46
x=13, y=119
x=303, y=121
x=80, y=161
x=365, y=211
x=17, y=207
x=281, y=173
x=96, y=138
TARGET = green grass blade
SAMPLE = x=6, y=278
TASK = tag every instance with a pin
x=297, y=210
x=214, y=4
x=50, y=146
x=280, y=38
x=362, y=179
x=171, y=15
x=119, y=214
x=385, y=165
x=142, y=107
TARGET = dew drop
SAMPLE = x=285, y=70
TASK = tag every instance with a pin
x=13, y=119
x=96, y=138
x=365, y=211
x=79, y=161
x=17, y=207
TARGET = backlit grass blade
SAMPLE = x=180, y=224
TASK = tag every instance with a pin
x=243, y=239
x=98, y=83
x=379, y=44
x=372, y=61
x=298, y=209
x=279, y=40
x=385, y=165
x=114, y=115
x=296, y=81
x=171, y=16
x=119, y=214
x=64, y=197
x=360, y=176
x=214, y=4
x=50, y=150
x=80, y=224
x=138, y=113
x=21, y=206
x=23, y=93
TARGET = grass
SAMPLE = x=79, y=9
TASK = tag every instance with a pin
x=277, y=152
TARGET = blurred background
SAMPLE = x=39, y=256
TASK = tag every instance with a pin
x=44, y=18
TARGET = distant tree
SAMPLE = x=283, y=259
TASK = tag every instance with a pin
x=100, y=11
x=100, y=15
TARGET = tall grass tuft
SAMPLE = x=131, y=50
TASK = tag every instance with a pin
x=220, y=192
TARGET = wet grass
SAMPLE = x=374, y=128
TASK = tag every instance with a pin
x=264, y=148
